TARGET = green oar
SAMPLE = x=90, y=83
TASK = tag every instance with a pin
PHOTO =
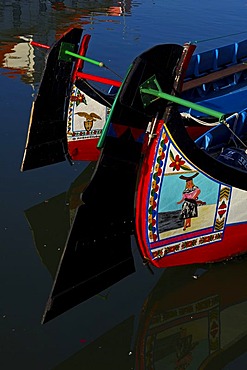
x=67, y=51
x=99, y=64
x=151, y=87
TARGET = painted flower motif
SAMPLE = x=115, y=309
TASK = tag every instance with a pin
x=177, y=162
x=78, y=98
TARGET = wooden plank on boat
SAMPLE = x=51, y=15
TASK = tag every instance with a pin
x=46, y=140
x=214, y=76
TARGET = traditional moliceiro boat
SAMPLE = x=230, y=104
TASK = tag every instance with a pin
x=191, y=193
x=68, y=113
x=172, y=161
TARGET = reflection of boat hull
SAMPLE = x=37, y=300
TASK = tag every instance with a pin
x=196, y=322
x=55, y=216
x=115, y=345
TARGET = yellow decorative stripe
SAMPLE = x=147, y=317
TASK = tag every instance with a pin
x=224, y=193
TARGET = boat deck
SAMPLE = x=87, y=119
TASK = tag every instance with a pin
x=211, y=72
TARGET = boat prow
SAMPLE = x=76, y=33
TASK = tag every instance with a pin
x=190, y=195
x=46, y=139
x=68, y=113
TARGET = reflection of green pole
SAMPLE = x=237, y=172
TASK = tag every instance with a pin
x=185, y=103
x=100, y=64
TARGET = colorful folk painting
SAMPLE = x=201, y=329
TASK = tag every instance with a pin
x=86, y=116
x=187, y=208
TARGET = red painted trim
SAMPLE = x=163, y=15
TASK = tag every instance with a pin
x=233, y=244
x=79, y=64
x=103, y=80
x=142, y=195
x=188, y=51
x=82, y=51
x=84, y=150
x=182, y=238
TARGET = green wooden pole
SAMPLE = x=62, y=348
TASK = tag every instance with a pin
x=185, y=103
x=100, y=64
x=107, y=124
x=108, y=121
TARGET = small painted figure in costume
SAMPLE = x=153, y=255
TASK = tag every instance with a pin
x=189, y=199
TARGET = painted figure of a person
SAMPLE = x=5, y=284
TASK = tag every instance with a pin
x=189, y=200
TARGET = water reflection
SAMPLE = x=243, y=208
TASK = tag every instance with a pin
x=194, y=317
x=185, y=323
x=20, y=61
x=47, y=20
x=51, y=220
